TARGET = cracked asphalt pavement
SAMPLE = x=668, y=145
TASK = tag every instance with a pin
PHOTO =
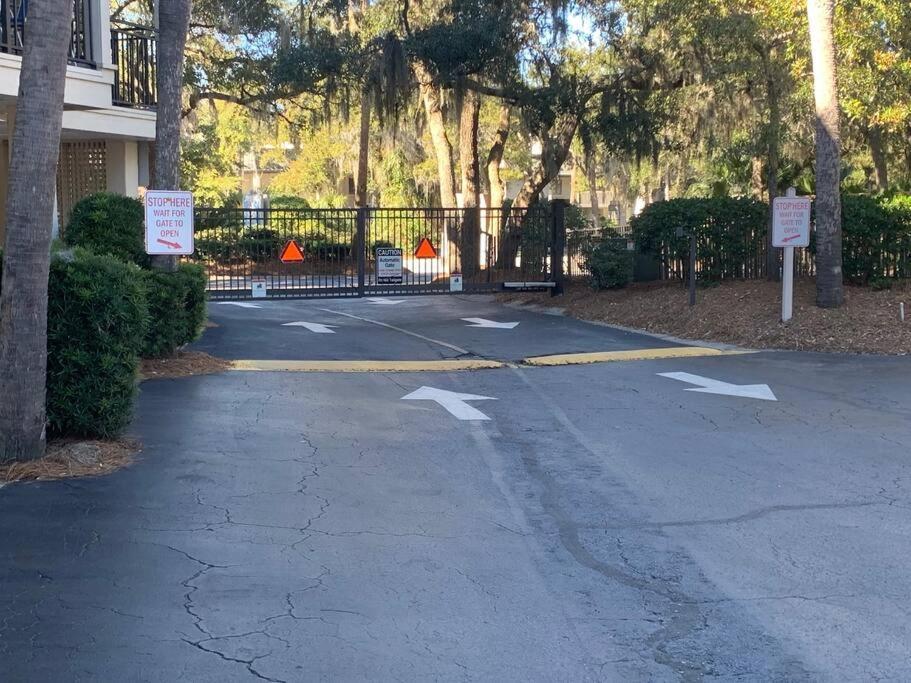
x=603, y=524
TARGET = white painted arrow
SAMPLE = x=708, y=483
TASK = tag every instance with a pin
x=242, y=304
x=493, y=324
x=452, y=401
x=713, y=386
x=319, y=328
x=385, y=302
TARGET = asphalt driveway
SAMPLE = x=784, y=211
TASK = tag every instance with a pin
x=602, y=523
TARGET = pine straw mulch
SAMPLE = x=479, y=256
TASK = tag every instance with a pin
x=747, y=314
x=183, y=364
x=67, y=458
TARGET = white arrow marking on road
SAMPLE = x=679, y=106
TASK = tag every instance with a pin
x=714, y=386
x=242, y=304
x=452, y=401
x=319, y=328
x=493, y=324
x=385, y=302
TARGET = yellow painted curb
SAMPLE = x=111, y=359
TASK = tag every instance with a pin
x=628, y=355
x=364, y=365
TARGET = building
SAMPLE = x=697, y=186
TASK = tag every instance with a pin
x=109, y=103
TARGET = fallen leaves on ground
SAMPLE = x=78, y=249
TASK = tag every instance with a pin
x=66, y=458
x=747, y=314
x=183, y=364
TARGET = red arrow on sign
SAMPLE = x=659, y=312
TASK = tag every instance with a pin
x=792, y=237
x=172, y=245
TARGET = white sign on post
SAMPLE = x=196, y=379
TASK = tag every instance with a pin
x=790, y=228
x=388, y=266
x=791, y=222
x=169, y=222
x=455, y=282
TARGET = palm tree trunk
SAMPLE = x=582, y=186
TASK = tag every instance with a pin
x=773, y=254
x=173, y=24
x=29, y=215
x=829, y=288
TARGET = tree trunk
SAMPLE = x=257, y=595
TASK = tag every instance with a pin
x=829, y=289
x=554, y=151
x=494, y=159
x=471, y=182
x=29, y=216
x=173, y=24
x=442, y=148
x=592, y=188
x=756, y=180
x=878, y=153
x=363, y=150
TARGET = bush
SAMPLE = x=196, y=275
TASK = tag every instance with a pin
x=108, y=223
x=177, y=309
x=608, y=262
x=876, y=239
x=97, y=317
x=730, y=234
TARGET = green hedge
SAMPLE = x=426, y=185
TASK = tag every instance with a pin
x=608, y=262
x=876, y=238
x=108, y=223
x=730, y=234
x=96, y=320
x=177, y=308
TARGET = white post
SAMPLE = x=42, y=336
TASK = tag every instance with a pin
x=787, y=276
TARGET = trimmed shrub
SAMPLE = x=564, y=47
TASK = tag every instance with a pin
x=177, y=309
x=97, y=317
x=608, y=262
x=876, y=239
x=109, y=223
x=730, y=234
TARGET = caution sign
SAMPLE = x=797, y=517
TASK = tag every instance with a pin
x=388, y=266
x=425, y=249
x=292, y=253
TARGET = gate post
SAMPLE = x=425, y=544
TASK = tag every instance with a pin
x=361, y=242
x=558, y=244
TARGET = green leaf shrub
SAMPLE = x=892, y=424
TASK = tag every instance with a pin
x=608, y=262
x=876, y=239
x=97, y=317
x=109, y=223
x=730, y=234
x=177, y=309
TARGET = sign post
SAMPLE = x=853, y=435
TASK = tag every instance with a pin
x=790, y=228
x=169, y=222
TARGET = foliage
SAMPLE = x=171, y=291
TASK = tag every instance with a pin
x=608, y=262
x=730, y=234
x=97, y=316
x=109, y=223
x=876, y=239
x=177, y=309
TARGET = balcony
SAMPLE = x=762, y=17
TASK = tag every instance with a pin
x=12, y=31
x=134, y=53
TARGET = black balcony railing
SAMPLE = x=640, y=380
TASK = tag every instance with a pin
x=13, y=29
x=134, y=49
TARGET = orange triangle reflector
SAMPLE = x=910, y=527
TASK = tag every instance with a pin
x=292, y=253
x=425, y=249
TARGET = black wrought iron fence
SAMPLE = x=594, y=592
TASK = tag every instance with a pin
x=319, y=252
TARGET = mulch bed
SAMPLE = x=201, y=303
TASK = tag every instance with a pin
x=67, y=458
x=184, y=364
x=747, y=314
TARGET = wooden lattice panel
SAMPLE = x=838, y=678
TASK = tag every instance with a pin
x=81, y=171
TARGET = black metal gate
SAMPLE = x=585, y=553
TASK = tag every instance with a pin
x=332, y=252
